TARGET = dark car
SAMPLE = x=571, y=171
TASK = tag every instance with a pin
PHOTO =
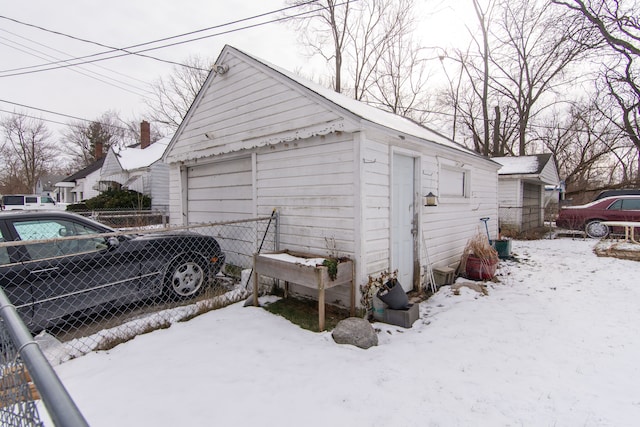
x=619, y=192
x=589, y=217
x=77, y=265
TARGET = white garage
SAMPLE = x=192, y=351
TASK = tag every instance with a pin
x=220, y=191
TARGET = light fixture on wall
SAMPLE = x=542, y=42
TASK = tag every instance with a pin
x=431, y=199
x=220, y=69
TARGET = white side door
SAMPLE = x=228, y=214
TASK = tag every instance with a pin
x=402, y=219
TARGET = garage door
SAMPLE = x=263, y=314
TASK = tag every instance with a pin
x=220, y=191
x=531, y=206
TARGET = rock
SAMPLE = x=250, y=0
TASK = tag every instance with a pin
x=355, y=331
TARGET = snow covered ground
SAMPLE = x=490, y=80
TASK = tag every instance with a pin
x=556, y=343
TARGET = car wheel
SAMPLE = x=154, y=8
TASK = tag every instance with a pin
x=596, y=229
x=185, y=277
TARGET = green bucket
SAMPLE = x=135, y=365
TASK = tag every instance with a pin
x=503, y=246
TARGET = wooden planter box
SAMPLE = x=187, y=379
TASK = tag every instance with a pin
x=311, y=276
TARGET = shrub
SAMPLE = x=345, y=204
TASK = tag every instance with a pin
x=77, y=207
x=119, y=199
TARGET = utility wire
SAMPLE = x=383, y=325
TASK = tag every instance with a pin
x=51, y=112
x=63, y=53
x=126, y=50
x=81, y=71
x=33, y=117
x=167, y=38
x=45, y=111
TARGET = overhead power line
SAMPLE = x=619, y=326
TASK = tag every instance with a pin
x=45, y=111
x=127, y=50
x=113, y=49
x=50, y=112
x=83, y=71
x=32, y=117
x=46, y=56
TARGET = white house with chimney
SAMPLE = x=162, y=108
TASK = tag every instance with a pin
x=139, y=168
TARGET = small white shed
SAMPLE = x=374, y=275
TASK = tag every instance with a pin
x=521, y=190
x=258, y=138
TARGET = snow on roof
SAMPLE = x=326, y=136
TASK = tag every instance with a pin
x=132, y=158
x=368, y=112
x=517, y=165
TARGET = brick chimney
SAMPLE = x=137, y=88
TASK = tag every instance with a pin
x=145, y=134
x=99, y=150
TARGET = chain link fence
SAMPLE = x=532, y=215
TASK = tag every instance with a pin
x=80, y=287
x=120, y=218
x=18, y=394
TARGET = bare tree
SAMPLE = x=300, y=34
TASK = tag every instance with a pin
x=483, y=16
x=174, y=94
x=470, y=92
x=81, y=138
x=581, y=143
x=392, y=74
x=323, y=30
x=515, y=67
x=370, y=48
x=27, y=150
x=618, y=26
x=536, y=47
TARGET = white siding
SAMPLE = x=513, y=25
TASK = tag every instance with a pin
x=220, y=191
x=111, y=166
x=246, y=108
x=510, y=203
x=311, y=184
x=444, y=229
x=509, y=192
x=91, y=185
x=447, y=227
x=376, y=207
x=549, y=174
x=176, y=205
x=159, y=186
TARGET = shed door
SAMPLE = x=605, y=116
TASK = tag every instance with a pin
x=531, y=206
x=220, y=191
x=402, y=219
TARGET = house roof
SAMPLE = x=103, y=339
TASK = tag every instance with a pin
x=132, y=158
x=82, y=173
x=537, y=168
x=523, y=165
x=356, y=109
x=366, y=111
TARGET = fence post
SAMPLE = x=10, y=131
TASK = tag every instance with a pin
x=276, y=239
x=62, y=409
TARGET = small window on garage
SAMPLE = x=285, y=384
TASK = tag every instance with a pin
x=454, y=182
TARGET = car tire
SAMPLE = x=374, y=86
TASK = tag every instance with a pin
x=596, y=229
x=185, y=277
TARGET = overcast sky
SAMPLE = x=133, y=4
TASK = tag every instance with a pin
x=120, y=84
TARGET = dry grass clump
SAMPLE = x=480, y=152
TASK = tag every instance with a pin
x=479, y=247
